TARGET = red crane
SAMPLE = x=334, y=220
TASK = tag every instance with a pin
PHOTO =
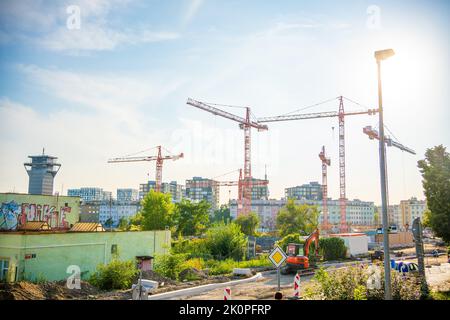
x=159, y=163
x=240, y=183
x=325, y=162
x=341, y=115
x=246, y=124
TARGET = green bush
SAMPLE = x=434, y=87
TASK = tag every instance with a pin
x=261, y=261
x=351, y=284
x=114, y=275
x=169, y=265
x=226, y=241
x=332, y=248
x=195, y=248
x=220, y=267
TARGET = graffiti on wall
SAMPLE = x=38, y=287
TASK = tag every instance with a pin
x=13, y=215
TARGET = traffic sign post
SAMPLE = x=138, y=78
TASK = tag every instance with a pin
x=277, y=257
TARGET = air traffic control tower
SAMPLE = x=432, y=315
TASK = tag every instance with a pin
x=41, y=172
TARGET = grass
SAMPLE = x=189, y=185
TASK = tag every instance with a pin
x=442, y=295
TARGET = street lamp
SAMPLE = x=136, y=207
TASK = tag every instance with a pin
x=379, y=56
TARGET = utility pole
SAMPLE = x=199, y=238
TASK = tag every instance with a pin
x=379, y=56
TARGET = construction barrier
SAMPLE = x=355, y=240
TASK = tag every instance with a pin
x=297, y=286
x=227, y=294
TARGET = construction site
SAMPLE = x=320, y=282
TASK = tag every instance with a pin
x=293, y=151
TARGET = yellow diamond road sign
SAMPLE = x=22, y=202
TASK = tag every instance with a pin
x=277, y=256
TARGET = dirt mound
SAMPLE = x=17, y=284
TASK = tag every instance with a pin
x=152, y=275
x=192, y=274
x=49, y=290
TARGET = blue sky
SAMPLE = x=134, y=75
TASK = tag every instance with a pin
x=119, y=84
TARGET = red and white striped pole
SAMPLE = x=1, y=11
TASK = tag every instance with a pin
x=297, y=286
x=227, y=294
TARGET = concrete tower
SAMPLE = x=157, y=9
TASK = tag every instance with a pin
x=41, y=172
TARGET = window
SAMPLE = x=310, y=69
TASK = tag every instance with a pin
x=4, y=266
x=114, y=249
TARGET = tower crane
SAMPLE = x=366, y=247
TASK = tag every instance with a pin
x=159, y=163
x=246, y=124
x=341, y=114
x=240, y=185
x=325, y=162
x=373, y=134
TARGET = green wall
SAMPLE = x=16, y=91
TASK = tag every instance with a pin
x=58, y=211
x=54, y=252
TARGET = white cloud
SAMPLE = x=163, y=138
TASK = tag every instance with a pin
x=47, y=26
x=192, y=10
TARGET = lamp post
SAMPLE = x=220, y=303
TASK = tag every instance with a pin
x=379, y=56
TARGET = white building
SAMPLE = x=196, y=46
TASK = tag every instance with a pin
x=127, y=195
x=361, y=213
x=89, y=194
x=117, y=210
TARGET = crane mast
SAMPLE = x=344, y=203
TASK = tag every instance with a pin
x=325, y=162
x=342, y=197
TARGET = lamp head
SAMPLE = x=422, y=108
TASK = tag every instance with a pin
x=384, y=54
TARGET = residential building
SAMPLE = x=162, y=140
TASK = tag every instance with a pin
x=90, y=194
x=259, y=192
x=117, y=210
x=53, y=256
x=60, y=212
x=310, y=191
x=41, y=172
x=127, y=195
x=176, y=190
x=410, y=210
x=198, y=189
x=359, y=213
x=90, y=211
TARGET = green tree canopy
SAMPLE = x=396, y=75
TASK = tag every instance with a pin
x=435, y=169
x=221, y=215
x=158, y=211
x=248, y=223
x=292, y=218
x=192, y=218
x=226, y=241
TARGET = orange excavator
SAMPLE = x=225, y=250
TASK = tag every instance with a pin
x=299, y=261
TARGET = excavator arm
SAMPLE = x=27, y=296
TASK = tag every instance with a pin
x=312, y=237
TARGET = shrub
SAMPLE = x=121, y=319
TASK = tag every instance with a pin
x=220, y=267
x=195, y=248
x=197, y=263
x=332, y=248
x=169, y=265
x=114, y=275
x=351, y=284
x=226, y=241
x=290, y=238
x=262, y=261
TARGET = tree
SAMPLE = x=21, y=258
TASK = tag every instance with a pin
x=192, y=218
x=435, y=169
x=123, y=224
x=226, y=241
x=292, y=218
x=158, y=211
x=222, y=215
x=248, y=223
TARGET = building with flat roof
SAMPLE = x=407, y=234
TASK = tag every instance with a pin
x=127, y=195
x=359, y=213
x=90, y=194
x=310, y=191
x=176, y=191
x=41, y=172
x=198, y=189
x=54, y=256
